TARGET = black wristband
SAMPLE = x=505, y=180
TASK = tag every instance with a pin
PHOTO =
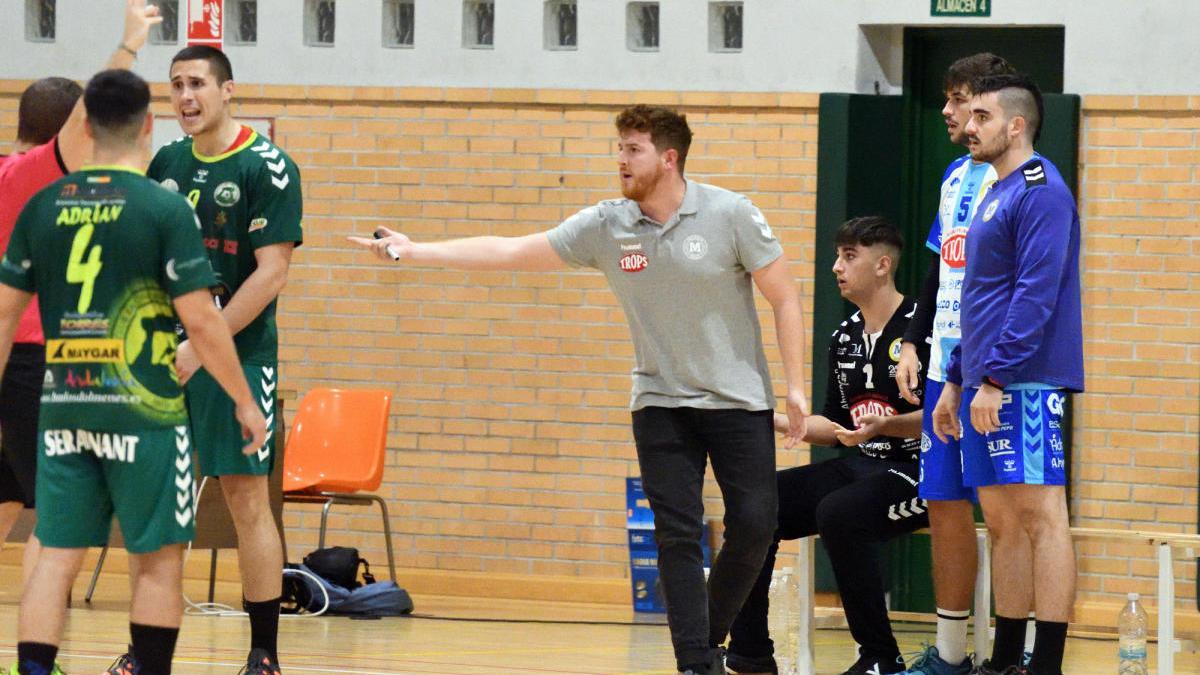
x=988, y=379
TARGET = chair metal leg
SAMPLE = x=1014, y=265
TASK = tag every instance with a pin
x=324, y=522
x=332, y=498
x=212, y=577
x=387, y=533
x=96, y=575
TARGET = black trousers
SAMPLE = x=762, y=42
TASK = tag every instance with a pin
x=673, y=446
x=856, y=504
x=20, y=400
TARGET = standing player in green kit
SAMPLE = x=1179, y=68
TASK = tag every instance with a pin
x=114, y=260
x=246, y=193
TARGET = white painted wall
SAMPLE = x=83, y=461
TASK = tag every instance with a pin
x=1112, y=46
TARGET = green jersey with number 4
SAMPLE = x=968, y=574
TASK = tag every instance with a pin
x=106, y=249
x=246, y=198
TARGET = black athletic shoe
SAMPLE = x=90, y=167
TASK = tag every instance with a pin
x=259, y=663
x=876, y=665
x=751, y=665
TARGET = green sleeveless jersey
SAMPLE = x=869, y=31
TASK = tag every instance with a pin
x=105, y=250
x=245, y=199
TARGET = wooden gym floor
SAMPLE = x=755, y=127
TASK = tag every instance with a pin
x=451, y=636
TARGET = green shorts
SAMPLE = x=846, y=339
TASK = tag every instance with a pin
x=216, y=430
x=144, y=477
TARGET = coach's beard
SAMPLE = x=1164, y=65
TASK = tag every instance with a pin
x=641, y=187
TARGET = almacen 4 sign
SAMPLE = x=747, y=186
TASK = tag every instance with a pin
x=960, y=7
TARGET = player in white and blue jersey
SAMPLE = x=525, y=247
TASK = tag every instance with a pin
x=1021, y=354
x=951, y=514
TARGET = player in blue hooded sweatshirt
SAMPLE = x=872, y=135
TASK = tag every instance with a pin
x=1021, y=353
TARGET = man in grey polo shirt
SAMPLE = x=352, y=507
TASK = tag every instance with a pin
x=680, y=256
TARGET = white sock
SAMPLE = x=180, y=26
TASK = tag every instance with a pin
x=952, y=635
x=1030, y=633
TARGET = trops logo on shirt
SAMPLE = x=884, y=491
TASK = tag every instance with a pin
x=870, y=406
x=634, y=262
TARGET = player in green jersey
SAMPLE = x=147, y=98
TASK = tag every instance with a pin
x=43, y=135
x=115, y=260
x=246, y=193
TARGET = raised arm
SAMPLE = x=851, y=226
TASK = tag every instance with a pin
x=529, y=253
x=74, y=146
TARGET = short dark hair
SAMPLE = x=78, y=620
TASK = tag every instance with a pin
x=218, y=63
x=868, y=231
x=668, y=129
x=116, y=102
x=1019, y=95
x=966, y=70
x=44, y=108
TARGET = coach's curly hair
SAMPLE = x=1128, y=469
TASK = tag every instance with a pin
x=668, y=129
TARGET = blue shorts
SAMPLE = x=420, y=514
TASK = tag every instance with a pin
x=941, y=463
x=1028, y=448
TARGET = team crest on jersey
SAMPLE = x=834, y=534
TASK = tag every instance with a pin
x=170, y=184
x=954, y=249
x=894, y=350
x=991, y=210
x=695, y=247
x=227, y=194
x=634, y=262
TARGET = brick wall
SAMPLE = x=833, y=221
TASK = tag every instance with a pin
x=510, y=441
x=1136, y=450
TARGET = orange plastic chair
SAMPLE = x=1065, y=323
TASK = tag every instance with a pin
x=336, y=452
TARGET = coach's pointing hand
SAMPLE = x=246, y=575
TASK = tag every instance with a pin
x=387, y=244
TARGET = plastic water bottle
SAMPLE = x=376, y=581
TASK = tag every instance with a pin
x=784, y=619
x=1132, y=629
x=776, y=617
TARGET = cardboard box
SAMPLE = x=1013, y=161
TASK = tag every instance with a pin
x=643, y=552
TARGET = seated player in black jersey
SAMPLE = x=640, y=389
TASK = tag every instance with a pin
x=855, y=503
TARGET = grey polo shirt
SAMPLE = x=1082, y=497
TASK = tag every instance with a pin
x=686, y=290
